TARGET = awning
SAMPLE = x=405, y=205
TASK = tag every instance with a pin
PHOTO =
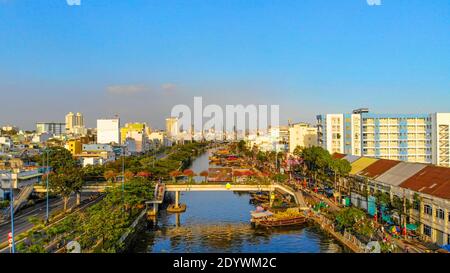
x=412, y=227
x=261, y=214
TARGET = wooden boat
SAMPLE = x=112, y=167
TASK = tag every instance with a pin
x=172, y=209
x=294, y=221
x=269, y=219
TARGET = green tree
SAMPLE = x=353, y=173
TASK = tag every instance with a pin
x=347, y=218
x=60, y=158
x=66, y=181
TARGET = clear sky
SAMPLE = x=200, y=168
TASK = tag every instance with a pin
x=137, y=58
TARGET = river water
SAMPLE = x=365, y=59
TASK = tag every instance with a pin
x=217, y=222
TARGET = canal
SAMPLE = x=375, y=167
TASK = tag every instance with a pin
x=217, y=222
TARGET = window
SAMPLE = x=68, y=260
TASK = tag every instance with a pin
x=440, y=214
x=417, y=204
x=428, y=209
x=449, y=220
x=427, y=230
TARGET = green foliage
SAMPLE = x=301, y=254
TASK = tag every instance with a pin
x=66, y=181
x=348, y=217
x=93, y=172
x=100, y=227
x=241, y=146
x=66, y=176
x=4, y=204
x=383, y=198
x=280, y=178
x=60, y=158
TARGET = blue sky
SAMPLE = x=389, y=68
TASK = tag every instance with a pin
x=137, y=58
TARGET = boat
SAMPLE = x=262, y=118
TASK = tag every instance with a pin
x=260, y=198
x=268, y=219
x=294, y=221
x=172, y=209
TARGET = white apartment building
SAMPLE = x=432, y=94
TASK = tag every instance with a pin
x=108, y=131
x=441, y=139
x=422, y=138
x=302, y=135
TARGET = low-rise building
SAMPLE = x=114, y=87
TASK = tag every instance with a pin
x=5, y=144
x=96, y=153
x=425, y=186
x=18, y=179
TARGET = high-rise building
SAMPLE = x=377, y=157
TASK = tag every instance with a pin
x=108, y=131
x=79, y=120
x=419, y=138
x=441, y=137
x=172, y=127
x=75, y=123
x=70, y=121
x=302, y=135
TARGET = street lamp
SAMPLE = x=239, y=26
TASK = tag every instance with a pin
x=13, y=244
x=47, y=172
x=123, y=171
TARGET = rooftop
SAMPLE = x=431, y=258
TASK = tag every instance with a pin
x=430, y=180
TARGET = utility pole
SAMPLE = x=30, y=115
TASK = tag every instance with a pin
x=47, y=172
x=123, y=172
x=404, y=211
x=13, y=244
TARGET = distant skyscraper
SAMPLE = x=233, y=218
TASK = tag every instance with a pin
x=108, y=131
x=74, y=123
x=70, y=121
x=79, y=120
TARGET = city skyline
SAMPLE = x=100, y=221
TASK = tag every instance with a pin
x=301, y=56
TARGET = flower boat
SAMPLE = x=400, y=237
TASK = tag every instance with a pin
x=290, y=217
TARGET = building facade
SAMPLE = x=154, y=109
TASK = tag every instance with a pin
x=55, y=128
x=422, y=138
x=108, y=131
x=426, y=187
x=75, y=123
x=172, y=127
x=302, y=135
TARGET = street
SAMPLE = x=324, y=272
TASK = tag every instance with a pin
x=21, y=221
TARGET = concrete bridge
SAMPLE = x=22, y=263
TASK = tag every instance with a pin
x=177, y=188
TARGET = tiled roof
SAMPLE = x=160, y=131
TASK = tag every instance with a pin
x=378, y=168
x=400, y=173
x=361, y=164
x=338, y=156
x=430, y=180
